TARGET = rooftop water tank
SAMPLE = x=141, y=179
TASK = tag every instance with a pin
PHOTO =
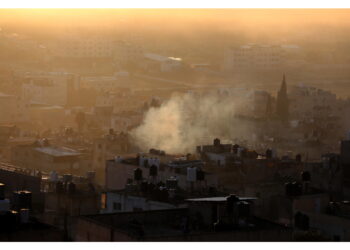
x=191, y=174
x=53, y=176
x=244, y=209
x=137, y=174
x=71, y=188
x=153, y=171
x=24, y=215
x=4, y=205
x=2, y=191
x=230, y=201
x=268, y=153
x=305, y=176
x=22, y=199
x=59, y=187
x=171, y=183
x=200, y=175
x=67, y=178
x=216, y=142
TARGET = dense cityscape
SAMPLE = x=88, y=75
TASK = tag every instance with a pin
x=129, y=131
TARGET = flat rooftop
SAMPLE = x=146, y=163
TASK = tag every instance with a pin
x=53, y=151
x=219, y=199
x=165, y=224
x=164, y=159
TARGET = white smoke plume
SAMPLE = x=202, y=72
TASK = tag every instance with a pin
x=183, y=122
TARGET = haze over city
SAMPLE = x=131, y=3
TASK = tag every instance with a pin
x=175, y=125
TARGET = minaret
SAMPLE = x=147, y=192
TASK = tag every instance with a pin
x=282, y=110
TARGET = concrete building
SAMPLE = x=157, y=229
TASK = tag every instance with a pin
x=119, y=81
x=47, y=116
x=184, y=224
x=118, y=99
x=326, y=219
x=126, y=52
x=19, y=226
x=327, y=174
x=120, y=51
x=217, y=153
x=124, y=121
x=282, y=102
x=332, y=224
x=243, y=170
x=13, y=109
x=159, y=63
x=16, y=178
x=120, y=171
x=122, y=201
x=306, y=101
x=52, y=88
x=105, y=148
x=345, y=163
x=66, y=198
x=253, y=57
x=42, y=156
x=74, y=47
x=263, y=105
x=118, y=110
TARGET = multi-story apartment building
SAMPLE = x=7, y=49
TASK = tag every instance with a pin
x=306, y=101
x=121, y=170
x=82, y=48
x=12, y=109
x=120, y=50
x=127, y=52
x=43, y=156
x=254, y=57
x=51, y=88
x=106, y=83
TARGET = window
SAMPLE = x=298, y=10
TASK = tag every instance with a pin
x=103, y=200
x=137, y=209
x=117, y=206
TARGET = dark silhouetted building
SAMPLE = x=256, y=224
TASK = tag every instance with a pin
x=282, y=106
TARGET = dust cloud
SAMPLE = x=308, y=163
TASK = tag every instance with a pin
x=185, y=121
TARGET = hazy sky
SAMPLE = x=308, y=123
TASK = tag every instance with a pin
x=248, y=17
x=194, y=25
